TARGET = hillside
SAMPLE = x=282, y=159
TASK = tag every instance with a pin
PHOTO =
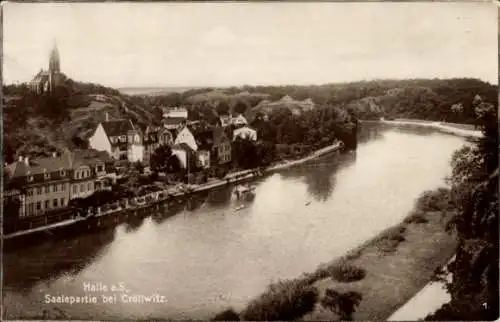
x=40, y=124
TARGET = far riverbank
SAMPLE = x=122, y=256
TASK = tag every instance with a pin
x=462, y=130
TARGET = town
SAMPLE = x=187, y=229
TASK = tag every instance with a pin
x=141, y=164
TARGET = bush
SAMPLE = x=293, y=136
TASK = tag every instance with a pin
x=227, y=315
x=435, y=200
x=343, y=304
x=416, y=218
x=341, y=272
x=284, y=300
x=389, y=241
x=347, y=273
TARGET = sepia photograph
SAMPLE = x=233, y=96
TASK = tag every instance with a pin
x=250, y=161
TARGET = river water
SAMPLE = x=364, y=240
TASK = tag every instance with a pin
x=211, y=257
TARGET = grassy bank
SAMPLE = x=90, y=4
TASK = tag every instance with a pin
x=371, y=281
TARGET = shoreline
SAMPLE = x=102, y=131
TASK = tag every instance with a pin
x=398, y=262
x=232, y=178
x=448, y=128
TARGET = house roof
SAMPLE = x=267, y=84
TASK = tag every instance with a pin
x=68, y=160
x=118, y=127
x=173, y=120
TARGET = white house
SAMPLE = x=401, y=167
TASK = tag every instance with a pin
x=135, y=150
x=186, y=136
x=112, y=137
x=245, y=133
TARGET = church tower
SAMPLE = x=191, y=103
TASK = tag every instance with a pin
x=54, y=61
x=54, y=68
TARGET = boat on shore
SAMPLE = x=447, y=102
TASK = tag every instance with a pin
x=245, y=192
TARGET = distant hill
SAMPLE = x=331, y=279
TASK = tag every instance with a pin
x=154, y=91
x=39, y=124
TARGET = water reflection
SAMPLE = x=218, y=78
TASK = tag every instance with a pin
x=220, y=197
x=133, y=223
x=50, y=260
x=320, y=174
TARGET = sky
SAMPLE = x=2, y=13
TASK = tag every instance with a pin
x=232, y=44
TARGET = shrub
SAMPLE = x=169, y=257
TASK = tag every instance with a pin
x=347, y=273
x=343, y=304
x=227, y=315
x=284, y=300
x=389, y=241
x=435, y=200
x=416, y=218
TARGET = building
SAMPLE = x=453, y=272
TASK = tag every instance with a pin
x=47, y=184
x=185, y=155
x=174, y=118
x=135, y=145
x=245, y=133
x=199, y=139
x=88, y=168
x=113, y=137
x=154, y=137
x=47, y=80
x=236, y=121
x=221, y=149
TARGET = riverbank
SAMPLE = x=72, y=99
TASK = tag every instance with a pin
x=385, y=271
x=462, y=130
x=176, y=192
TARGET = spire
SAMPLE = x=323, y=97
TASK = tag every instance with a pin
x=54, y=60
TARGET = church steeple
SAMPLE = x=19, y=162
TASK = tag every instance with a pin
x=54, y=60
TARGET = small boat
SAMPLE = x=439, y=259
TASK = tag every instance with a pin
x=245, y=191
x=240, y=207
x=308, y=203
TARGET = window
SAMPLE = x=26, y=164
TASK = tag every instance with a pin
x=54, y=203
x=63, y=187
x=89, y=187
x=78, y=174
x=47, y=204
x=30, y=178
x=62, y=173
x=39, y=205
x=62, y=202
x=30, y=208
x=46, y=176
x=30, y=192
x=82, y=188
x=39, y=190
x=54, y=188
x=47, y=189
x=75, y=187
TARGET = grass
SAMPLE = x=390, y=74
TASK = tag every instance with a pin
x=284, y=300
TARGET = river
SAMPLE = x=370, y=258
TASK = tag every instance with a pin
x=211, y=257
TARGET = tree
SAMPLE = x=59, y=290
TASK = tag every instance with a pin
x=343, y=304
x=474, y=288
x=222, y=108
x=160, y=158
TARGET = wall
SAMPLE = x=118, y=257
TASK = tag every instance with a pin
x=40, y=198
x=185, y=136
x=99, y=140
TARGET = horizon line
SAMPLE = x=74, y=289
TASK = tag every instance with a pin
x=118, y=87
